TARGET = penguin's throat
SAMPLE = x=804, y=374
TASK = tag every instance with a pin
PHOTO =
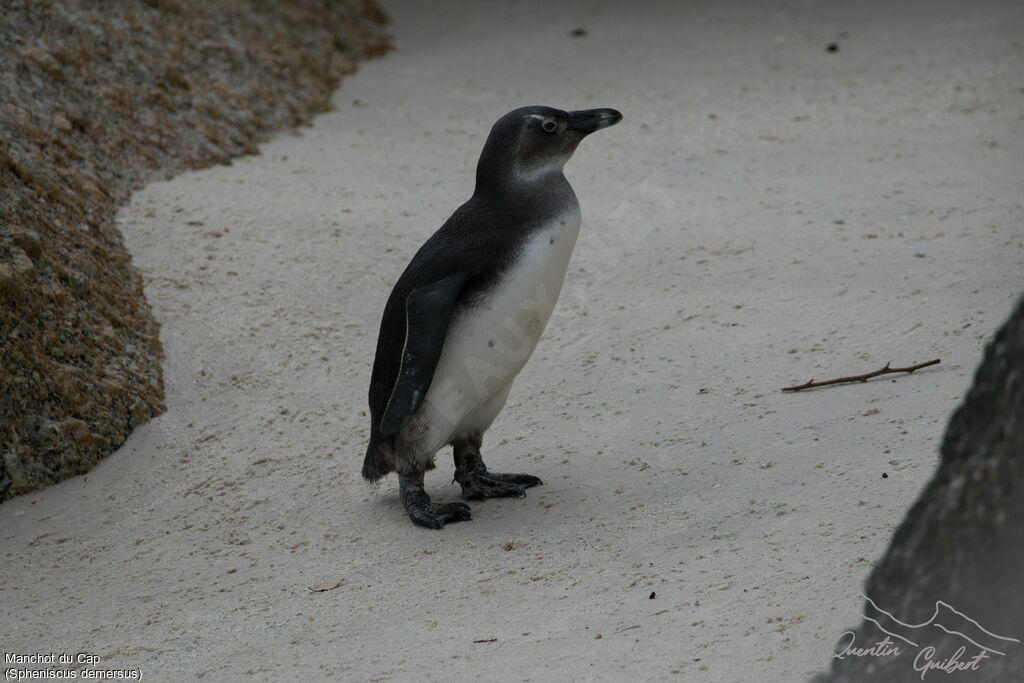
x=531, y=175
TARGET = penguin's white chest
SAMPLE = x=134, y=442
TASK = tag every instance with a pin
x=489, y=343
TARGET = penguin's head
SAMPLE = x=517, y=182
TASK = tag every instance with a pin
x=528, y=142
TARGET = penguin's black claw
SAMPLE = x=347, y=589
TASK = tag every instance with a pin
x=436, y=515
x=480, y=485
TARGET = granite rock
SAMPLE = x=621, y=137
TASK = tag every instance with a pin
x=953, y=570
x=97, y=99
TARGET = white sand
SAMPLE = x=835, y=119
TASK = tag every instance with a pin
x=766, y=213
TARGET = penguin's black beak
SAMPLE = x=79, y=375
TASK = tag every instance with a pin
x=586, y=121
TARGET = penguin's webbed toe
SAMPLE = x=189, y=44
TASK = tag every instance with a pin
x=436, y=515
x=524, y=480
x=481, y=485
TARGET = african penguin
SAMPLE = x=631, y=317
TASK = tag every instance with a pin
x=470, y=307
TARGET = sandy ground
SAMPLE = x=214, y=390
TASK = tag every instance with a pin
x=767, y=212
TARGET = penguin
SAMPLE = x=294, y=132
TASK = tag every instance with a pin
x=469, y=309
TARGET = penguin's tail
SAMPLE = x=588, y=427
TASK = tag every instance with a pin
x=379, y=459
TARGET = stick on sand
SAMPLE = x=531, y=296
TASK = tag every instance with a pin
x=862, y=378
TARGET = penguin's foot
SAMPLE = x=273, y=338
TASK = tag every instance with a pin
x=421, y=511
x=477, y=483
x=480, y=484
x=435, y=515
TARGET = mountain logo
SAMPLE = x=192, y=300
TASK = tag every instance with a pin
x=977, y=642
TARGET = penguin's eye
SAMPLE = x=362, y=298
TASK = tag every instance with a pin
x=549, y=126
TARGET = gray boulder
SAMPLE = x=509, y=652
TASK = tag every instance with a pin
x=949, y=593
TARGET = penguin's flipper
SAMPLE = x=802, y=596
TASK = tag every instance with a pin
x=428, y=309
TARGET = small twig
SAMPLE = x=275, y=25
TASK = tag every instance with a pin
x=198, y=487
x=862, y=378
